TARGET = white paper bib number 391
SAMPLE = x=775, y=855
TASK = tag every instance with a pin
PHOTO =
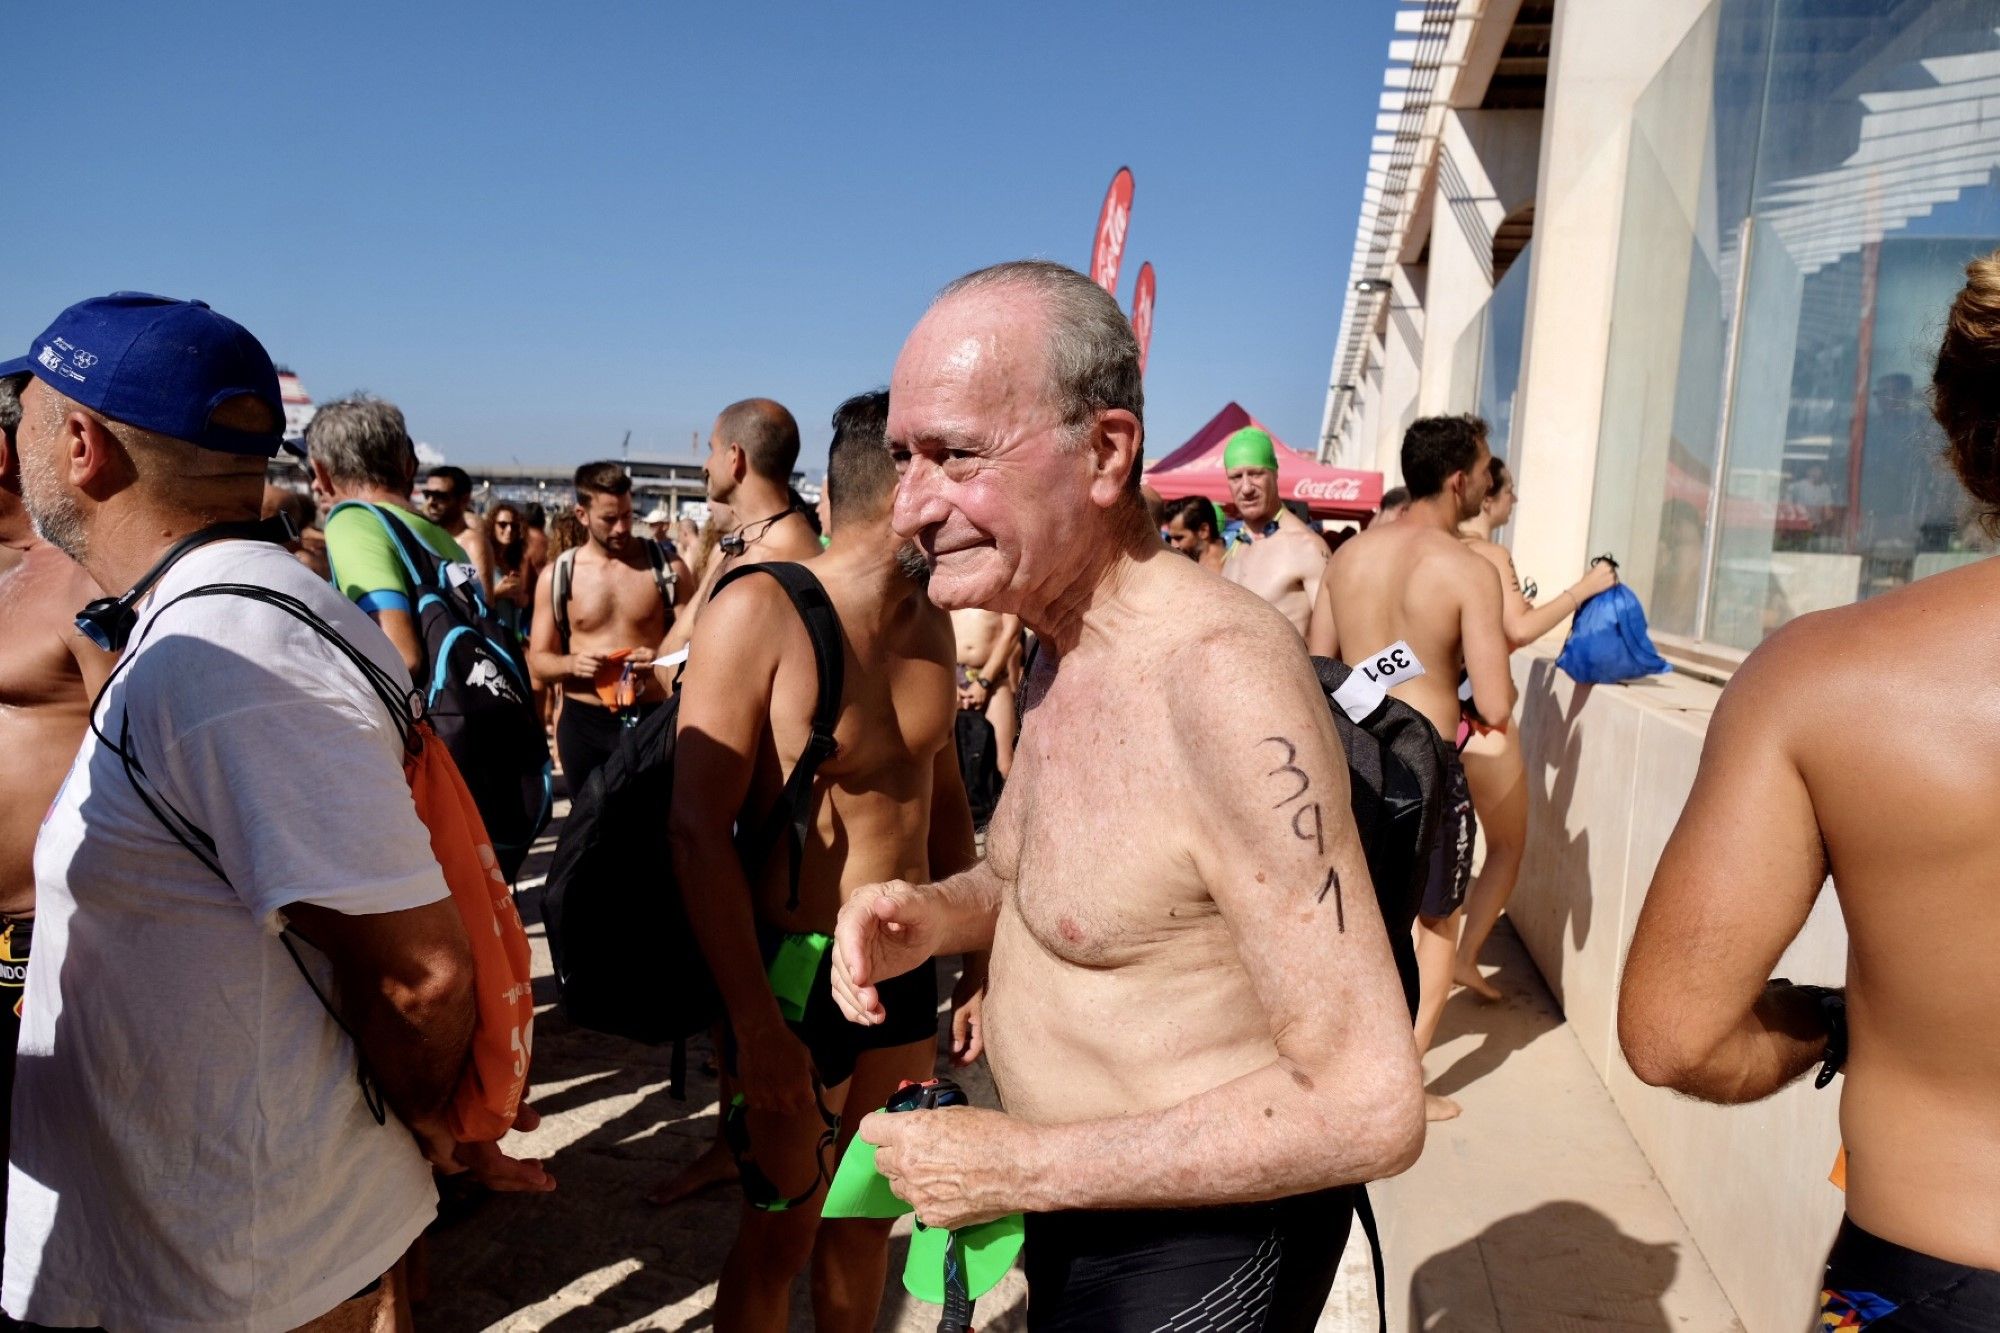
x=1374, y=676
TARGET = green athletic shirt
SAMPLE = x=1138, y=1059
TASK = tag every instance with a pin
x=366, y=566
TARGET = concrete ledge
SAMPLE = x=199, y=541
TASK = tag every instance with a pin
x=1609, y=768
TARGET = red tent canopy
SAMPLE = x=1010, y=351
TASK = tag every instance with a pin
x=1196, y=469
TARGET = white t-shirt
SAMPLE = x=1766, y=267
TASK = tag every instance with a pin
x=190, y=1146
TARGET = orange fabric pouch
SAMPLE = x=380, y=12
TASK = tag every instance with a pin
x=496, y=1073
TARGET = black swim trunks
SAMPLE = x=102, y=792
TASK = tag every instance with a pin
x=1260, y=1266
x=835, y=1044
x=1451, y=859
x=1874, y=1283
x=587, y=735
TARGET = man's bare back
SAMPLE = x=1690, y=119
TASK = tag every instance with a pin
x=1283, y=568
x=48, y=675
x=895, y=723
x=1863, y=743
x=1414, y=584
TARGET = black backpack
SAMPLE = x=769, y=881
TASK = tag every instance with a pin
x=626, y=960
x=478, y=695
x=1396, y=764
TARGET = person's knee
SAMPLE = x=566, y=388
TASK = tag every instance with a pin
x=779, y=1244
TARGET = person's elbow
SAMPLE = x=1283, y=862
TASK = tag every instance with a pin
x=1662, y=1049
x=1375, y=1132
x=1495, y=704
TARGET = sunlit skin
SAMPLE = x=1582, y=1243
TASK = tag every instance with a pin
x=1160, y=977
x=614, y=603
x=1283, y=568
x=1197, y=544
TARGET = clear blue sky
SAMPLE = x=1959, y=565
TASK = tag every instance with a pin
x=538, y=226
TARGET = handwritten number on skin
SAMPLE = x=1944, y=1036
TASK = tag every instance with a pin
x=1289, y=768
x=1332, y=886
x=1308, y=822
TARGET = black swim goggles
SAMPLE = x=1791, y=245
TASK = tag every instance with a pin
x=758, y=1190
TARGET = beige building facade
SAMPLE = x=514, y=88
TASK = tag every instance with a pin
x=1690, y=260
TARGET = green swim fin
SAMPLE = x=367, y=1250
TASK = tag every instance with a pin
x=858, y=1189
x=987, y=1251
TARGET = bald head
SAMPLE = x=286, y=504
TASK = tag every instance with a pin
x=766, y=432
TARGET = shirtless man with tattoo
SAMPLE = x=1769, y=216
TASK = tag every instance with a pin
x=49, y=673
x=1275, y=556
x=1412, y=603
x=1895, y=803
x=1194, y=1020
x=989, y=645
x=889, y=804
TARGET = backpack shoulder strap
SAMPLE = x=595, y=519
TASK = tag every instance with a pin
x=419, y=561
x=663, y=572
x=563, y=572
x=793, y=812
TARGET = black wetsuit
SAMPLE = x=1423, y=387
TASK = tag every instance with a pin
x=1878, y=1284
x=1250, y=1267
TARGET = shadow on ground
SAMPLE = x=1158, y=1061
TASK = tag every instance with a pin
x=595, y=1256
x=1525, y=1014
x=1531, y=1261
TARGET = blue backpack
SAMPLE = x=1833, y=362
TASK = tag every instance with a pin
x=1608, y=642
x=477, y=691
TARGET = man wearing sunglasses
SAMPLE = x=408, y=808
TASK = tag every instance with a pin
x=447, y=496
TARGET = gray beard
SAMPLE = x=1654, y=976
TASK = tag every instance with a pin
x=52, y=510
x=910, y=561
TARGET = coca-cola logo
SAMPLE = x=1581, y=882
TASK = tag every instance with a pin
x=1333, y=488
x=1111, y=246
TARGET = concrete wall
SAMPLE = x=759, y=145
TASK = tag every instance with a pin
x=1603, y=58
x=1609, y=768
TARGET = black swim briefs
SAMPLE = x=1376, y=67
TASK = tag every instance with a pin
x=1260, y=1266
x=1874, y=1283
x=1451, y=859
x=835, y=1044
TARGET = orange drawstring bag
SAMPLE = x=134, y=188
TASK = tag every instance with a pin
x=496, y=1073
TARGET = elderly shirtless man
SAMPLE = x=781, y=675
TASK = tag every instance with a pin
x=1275, y=555
x=49, y=673
x=1194, y=1021
x=1412, y=604
x=620, y=596
x=1896, y=804
x=890, y=804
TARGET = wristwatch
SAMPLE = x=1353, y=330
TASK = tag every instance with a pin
x=1832, y=1003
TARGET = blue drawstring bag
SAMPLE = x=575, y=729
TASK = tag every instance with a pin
x=1608, y=641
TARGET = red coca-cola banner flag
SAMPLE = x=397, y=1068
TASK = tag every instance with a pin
x=1142, y=311
x=1113, y=221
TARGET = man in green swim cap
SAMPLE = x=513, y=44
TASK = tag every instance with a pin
x=1274, y=555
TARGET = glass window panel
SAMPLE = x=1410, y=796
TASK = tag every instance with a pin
x=1504, y=325
x=1874, y=184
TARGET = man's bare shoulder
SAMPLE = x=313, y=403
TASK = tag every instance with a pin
x=1216, y=622
x=49, y=582
x=784, y=541
x=1933, y=630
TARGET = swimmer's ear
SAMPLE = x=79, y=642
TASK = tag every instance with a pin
x=1117, y=450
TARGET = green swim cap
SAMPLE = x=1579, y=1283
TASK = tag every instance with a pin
x=1249, y=447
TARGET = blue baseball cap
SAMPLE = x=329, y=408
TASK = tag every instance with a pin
x=159, y=364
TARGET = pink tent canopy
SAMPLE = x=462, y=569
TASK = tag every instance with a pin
x=1196, y=469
